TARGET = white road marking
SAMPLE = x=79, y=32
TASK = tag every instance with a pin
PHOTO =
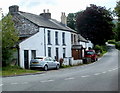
x=14, y=83
x=46, y=81
x=69, y=78
x=110, y=70
x=85, y=76
x=50, y=80
x=24, y=83
x=104, y=72
x=114, y=68
x=97, y=74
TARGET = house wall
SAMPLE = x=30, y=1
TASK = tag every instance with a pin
x=89, y=44
x=60, y=46
x=74, y=39
x=35, y=42
x=39, y=42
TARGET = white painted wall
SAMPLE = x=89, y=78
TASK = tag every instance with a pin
x=86, y=45
x=72, y=62
x=89, y=44
x=36, y=42
x=60, y=46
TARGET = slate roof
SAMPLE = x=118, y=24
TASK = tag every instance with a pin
x=43, y=22
x=48, y=23
x=80, y=38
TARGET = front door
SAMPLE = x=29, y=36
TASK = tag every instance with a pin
x=57, y=54
x=26, y=59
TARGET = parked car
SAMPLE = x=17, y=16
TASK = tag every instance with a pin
x=91, y=54
x=44, y=63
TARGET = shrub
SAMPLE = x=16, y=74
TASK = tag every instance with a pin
x=100, y=49
x=117, y=45
x=111, y=41
x=61, y=61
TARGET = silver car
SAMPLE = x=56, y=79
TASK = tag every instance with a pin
x=44, y=62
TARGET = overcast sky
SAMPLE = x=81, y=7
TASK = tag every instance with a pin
x=54, y=6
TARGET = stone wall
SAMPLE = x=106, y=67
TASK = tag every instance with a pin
x=71, y=61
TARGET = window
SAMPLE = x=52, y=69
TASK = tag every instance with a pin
x=72, y=38
x=57, y=54
x=33, y=54
x=51, y=59
x=63, y=38
x=49, y=37
x=56, y=38
x=49, y=51
x=47, y=59
x=64, y=52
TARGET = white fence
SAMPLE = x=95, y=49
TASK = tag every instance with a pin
x=71, y=61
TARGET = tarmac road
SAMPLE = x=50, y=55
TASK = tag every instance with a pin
x=99, y=76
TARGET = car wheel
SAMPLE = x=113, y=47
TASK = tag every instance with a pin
x=31, y=68
x=57, y=67
x=45, y=67
x=96, y=59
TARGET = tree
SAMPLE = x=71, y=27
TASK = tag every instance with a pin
x=117, y=10
x=95, y=23
x=9, y=39
x=71, y=20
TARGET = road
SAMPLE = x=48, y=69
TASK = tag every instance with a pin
x=99, y=76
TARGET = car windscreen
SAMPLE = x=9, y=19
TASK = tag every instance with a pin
x=89, y=52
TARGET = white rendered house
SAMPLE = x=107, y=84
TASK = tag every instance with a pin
x=40, y=35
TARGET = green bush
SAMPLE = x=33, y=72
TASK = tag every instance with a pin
x=98, y=48
x=112, y=41
x=101, y=49
x=117, y=45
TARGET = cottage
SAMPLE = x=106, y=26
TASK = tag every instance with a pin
x=40, y=35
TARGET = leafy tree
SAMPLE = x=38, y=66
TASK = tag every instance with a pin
x=117, y=10
x=71, y=20
x=95, y=23
x=9, y=39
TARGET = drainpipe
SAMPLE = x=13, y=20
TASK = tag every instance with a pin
x=18, y=51
x=44, y=42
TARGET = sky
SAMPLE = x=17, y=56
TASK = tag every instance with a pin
x=55, y=6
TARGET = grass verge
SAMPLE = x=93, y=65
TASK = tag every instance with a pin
x=15, y=70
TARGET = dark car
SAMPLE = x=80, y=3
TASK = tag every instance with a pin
x=91, y=54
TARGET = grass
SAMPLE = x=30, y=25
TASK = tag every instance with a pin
x=15, y=70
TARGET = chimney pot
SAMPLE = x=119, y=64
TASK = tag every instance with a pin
x=46, y=15
x=43, y=10
x=63, y=19
x=47, y=10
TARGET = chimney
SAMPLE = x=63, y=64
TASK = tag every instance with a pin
x=13, y=9
x=63, y=19
x=46, y=15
